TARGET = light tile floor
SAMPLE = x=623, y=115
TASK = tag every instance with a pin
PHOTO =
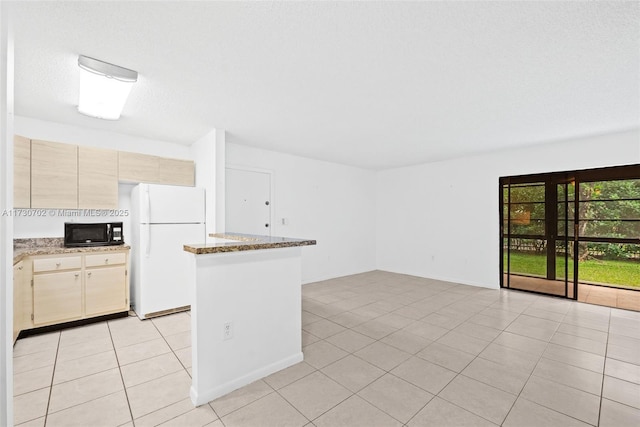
x=381, y=349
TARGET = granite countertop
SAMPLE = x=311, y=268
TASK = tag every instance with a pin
x=52, y=246
x=236, y=242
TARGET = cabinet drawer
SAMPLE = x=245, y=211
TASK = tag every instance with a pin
x=56, y=264
x=99, y=260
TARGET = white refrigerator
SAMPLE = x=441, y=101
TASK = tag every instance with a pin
x=163, y=218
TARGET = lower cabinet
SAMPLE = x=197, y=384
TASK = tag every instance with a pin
x=105, y=290
x=57, y=297
x=55, y=289
x=18, y=288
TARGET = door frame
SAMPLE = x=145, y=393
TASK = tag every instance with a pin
x=271, y=189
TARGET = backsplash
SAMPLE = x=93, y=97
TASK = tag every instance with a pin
x=46, y=242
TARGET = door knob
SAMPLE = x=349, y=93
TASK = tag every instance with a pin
x=266, y=225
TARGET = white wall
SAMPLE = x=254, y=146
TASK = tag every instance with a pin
x=440, y=220
x=6, y=221
x=331, y=203
x=209, y=154
x=53, y=225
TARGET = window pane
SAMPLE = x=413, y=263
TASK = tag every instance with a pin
x=610, y=190
x=528, y=257
x=527, y=193
x=604, y=228
x=610, y=264
x=534, y=227
x=610, y=209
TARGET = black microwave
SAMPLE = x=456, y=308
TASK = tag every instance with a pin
x=96, y=234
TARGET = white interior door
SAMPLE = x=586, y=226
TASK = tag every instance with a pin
x=248, y=202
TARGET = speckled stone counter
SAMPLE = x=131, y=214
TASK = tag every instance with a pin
x=52, y=246
x=244, y=242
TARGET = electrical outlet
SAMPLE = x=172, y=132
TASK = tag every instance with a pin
x=227, y=331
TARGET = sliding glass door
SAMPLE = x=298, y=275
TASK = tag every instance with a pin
x=565, y=233
x=536, y=244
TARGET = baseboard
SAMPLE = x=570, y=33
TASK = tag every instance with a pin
x=208, y=395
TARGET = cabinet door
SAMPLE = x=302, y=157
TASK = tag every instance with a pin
x=54, y=175
x=105, y=290
x=21, y=172
x=97, y=178
x=176, y=172
x=135, y=167
x=18, y=274
x=57, y=297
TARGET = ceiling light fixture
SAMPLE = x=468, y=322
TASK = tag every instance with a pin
x=104, y=88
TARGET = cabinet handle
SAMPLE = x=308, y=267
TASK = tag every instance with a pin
x=89, y=274
x=57, y=264
x=20, y=268
x=106, y=260
x=77, y=274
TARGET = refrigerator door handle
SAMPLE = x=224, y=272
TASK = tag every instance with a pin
x=147, y=218
x=148, y=248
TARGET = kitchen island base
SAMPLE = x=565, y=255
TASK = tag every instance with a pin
x=246, y=318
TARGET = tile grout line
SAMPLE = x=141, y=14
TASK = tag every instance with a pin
x=518, y=396
x=547, y=342
x=521, y=313
x=344, y=357
x=460, y=373
x=124, y=387
x=604, y=369
x=181, y=364
x=565, y=385
x=387, y=371
x=53, y=373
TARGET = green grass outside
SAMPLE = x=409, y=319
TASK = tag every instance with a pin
x=612, y=272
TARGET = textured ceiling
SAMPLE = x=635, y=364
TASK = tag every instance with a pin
x=370, y=84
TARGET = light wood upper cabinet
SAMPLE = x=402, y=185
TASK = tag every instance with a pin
x=97, y=178
x=65, y=176
x=54, y=175
x=136, y=167
x=176, y=172
x=21, y=172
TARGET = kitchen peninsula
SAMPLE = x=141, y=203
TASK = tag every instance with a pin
x=246, y=310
